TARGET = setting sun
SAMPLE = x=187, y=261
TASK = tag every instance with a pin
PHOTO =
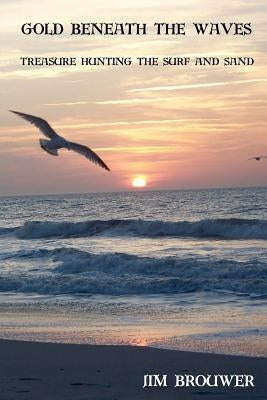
x=139, y=182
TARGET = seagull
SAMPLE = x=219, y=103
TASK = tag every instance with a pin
x=57, y=142
x=258, y=158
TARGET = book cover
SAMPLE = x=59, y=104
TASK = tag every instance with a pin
x=133, y=219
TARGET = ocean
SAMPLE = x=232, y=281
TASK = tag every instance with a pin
x=173, y=269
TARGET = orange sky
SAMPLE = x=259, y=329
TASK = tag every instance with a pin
x=178, y=127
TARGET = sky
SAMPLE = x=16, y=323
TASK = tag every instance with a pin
x=176, y=127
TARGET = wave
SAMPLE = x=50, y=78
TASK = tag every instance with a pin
x=6, y=231
x=79, y=272
x=231, y=228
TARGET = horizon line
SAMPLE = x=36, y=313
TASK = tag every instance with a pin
x=136, y=191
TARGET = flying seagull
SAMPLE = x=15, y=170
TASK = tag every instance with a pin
x=57, y=142
x=258, y=158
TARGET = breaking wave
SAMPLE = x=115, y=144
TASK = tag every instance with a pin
x=232, y=228
x=78, y=272
x=6, y=231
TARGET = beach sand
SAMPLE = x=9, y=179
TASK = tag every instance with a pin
x=30, y=370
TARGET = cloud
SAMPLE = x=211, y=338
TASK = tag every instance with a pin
x=131, y=101
x=74, y=103
x=138, y=149
x=197, y=85
x=129, y=123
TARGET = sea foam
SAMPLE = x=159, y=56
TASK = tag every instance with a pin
x=75, y=272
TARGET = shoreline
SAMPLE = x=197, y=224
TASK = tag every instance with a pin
x=43, y=370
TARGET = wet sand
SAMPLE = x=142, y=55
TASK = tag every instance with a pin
x=30, y=370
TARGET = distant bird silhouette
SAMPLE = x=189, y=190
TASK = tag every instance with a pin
x=258, y=158
x=57, y=142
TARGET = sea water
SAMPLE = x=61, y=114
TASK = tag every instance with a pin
x=173, y=269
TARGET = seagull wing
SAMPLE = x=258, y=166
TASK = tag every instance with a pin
x=253, y=158
x=88, y=153
x=39, y=123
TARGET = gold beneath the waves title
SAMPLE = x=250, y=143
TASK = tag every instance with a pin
x=134, y=28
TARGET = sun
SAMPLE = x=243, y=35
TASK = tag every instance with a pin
x=138, y=182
